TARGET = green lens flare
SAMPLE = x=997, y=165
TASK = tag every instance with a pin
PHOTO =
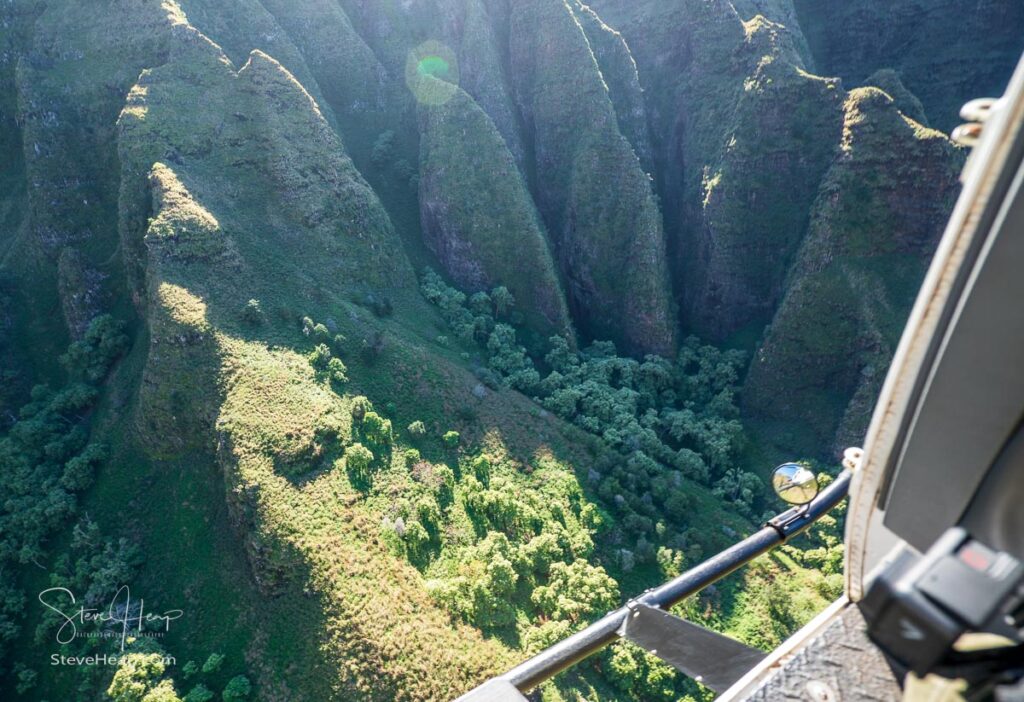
x=432, y=73
x=433, y=66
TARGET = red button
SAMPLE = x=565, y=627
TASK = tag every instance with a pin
x=975, y=559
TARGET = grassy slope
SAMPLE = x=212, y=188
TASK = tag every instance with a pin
x=227, y=227
x=478, y=216
x=267, y=403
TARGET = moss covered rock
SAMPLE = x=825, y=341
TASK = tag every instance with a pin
x=757, y=190
x=888, y=81
x=182, y=228
x=880, y=211
x=597, y=200
x=476, y=30
x=944, y=52
x=478, y=217
x=618, y=68
x=79, y=287
x=347, y=72
x=240, y=27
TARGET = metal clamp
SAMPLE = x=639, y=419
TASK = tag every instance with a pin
x=976, y=112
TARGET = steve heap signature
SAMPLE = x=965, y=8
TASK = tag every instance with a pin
x=123, y=611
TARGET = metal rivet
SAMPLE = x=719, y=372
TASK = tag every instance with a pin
x=967, y=134
x=978, y=110
x=820, y=692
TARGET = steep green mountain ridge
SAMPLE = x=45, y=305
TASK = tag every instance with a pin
x=363, y=481
x=940, y=52
x=592, y=191
x=478, y=217
x=845, y=306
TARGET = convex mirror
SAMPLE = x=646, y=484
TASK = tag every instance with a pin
x=795, y=484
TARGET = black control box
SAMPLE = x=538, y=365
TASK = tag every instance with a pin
x=919, y=606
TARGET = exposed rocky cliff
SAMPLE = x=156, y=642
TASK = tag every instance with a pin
x=66, y=68
x=718, y=102
x=16, y=373
x=756, y=191
x=618, y=68
x=478, y=31
x=743, y=132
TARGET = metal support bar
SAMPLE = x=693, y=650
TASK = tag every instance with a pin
x=496, y=690
x=710, y=658
x=604, y=631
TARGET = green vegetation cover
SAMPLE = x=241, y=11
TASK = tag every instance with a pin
x=358, y=350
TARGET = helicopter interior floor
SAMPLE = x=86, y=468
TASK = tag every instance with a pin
x=835, y=662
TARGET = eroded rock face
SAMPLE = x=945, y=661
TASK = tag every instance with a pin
x=945, y=52
x=476, y=33
x=888, y=81
x=16, y=21
x=12, y=377
x=691, y=81
x=79, y=287
x=68, y=124
x=882, y=206
x=478, y=217
x=618, y=68
x=65, y=68
x=742, y=134
x=743, y=137
x=608, y=162
x=673, y=150
x=780, y=12
x=346, y=70
x=596, y=199
x=758, y=190
x=241, y=26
